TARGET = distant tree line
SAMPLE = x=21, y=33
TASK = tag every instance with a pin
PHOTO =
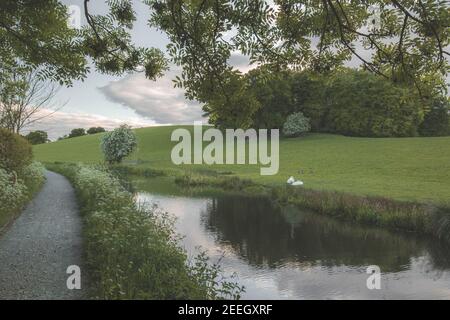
x=79, y=132
x=345, y=101
x=40, y=136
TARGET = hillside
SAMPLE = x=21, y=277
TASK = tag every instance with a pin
x=400, y=168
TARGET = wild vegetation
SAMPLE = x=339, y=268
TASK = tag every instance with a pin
x=20, y=178
x=398, y=90
x=132, y=250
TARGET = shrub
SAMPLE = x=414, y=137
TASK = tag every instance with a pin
x=12, y=192
x=296, y=124
x=437, y=120
x=118, y=144
x=33, y=175
x=15, y=151
x=15, y=191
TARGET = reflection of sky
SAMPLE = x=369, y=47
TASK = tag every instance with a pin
x=297, y=280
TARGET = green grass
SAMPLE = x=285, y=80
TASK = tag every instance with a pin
x=414, y=169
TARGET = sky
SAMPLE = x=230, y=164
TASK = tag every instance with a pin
x=108, y=101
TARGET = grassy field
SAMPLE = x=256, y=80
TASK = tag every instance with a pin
x=415, y=169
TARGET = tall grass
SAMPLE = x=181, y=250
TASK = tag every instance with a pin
x=132, y=251
x=225, y=182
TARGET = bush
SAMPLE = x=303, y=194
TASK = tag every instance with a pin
x=437, y=120
x=15, y=151
x=33, y=175
x=296, y=124
x=12, y=192
x=364, y=104
x=118, y=144
x=16, y=191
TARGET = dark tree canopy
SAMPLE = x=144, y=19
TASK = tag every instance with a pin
x=35, y=33
x=78, y=132
x=37, y=137
x=94, y=130
x=408, y=42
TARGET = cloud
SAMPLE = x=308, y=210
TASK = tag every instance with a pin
x=159, y=100
x=156, y=100
x=59, y=123
x=241, y=62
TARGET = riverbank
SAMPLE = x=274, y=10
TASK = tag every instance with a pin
x=132, y=251
x=288, y=253
x=423, y=218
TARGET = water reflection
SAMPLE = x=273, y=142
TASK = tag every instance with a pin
x=284, y=253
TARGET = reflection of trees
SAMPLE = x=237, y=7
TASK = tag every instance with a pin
x=265, y=235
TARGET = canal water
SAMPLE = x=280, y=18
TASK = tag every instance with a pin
x=285, y=253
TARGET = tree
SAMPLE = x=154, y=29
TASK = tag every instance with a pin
x=25, y=98
x=274, y=94
x=118, y=144
x=77, y=133
x=406, y=45
x=15, y=151
x=365, y=104
x=94, y=130
x=236, y=109
x=437, y=120
x=36, y=34
x=37, y=137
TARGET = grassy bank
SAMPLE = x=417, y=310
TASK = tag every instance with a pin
x=411, y=169
x=421, y=218
x=132, y=251
x=399, y=183
x=16, y=190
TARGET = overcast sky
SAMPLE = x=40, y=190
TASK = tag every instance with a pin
x=108, y=101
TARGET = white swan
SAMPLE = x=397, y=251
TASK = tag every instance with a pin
x=294, y=182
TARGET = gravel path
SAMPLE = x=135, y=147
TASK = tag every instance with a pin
x=39, y=246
